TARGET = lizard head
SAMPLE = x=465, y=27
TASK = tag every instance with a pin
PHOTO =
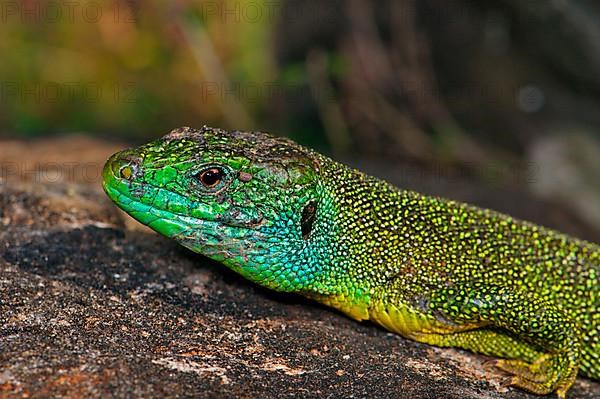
x=249, y=200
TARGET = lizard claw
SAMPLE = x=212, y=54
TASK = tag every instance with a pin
x=548, y=373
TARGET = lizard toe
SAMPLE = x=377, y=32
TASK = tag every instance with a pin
x=548, y=373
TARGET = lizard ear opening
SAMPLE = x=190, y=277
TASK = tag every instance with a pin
x=309, y=214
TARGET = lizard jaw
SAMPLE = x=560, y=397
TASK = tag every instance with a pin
x=128, y=194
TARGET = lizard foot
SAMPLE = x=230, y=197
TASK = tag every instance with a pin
x=548, y=373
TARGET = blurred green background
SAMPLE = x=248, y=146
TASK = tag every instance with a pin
x=419, y=81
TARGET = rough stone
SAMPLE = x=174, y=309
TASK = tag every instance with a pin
x=90, y=307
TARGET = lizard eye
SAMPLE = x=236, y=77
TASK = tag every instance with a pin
x=210, y=178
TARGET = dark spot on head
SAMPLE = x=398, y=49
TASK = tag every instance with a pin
x=180, y=133
x=245, y=176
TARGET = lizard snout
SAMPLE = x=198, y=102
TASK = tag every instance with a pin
x=123, y=165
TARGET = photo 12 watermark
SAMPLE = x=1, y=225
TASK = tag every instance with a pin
x=255, y=92
x=236, y=11
x=50, y=172
x=528, y=97
x=52, y=12
x=440, y=172
x=469, y=11
x=68, y=92
x=468, y=172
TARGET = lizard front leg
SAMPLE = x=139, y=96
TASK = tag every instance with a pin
x=539, y=341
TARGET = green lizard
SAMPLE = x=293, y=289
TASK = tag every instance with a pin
x=433, y=270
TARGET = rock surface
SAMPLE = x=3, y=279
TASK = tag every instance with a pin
x=92, y=305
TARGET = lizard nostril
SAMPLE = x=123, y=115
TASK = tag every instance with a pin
x=126, y=164
x=128, y=171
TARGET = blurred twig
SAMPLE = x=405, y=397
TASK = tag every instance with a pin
x=373, y=59
x=200, y=44
x=329, y=109
x=388, y=69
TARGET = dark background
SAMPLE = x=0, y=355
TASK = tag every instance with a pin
x=499, y=94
